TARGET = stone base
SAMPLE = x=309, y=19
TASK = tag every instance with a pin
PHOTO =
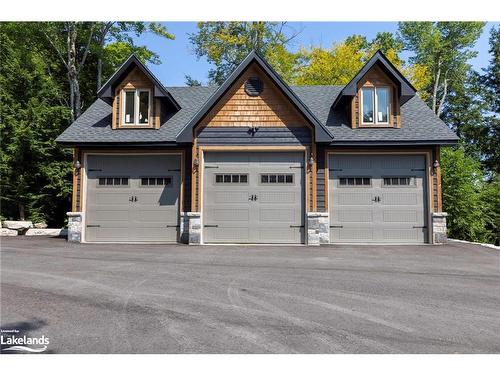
x=47, y=232
x=194, y=228
x=318, y=228
x=184, y=228
x=8, y=232
x=439, y=230
x=75, y=224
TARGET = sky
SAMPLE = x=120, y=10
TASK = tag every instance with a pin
x=178, y=58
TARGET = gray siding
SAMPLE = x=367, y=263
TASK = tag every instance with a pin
x=263, y=136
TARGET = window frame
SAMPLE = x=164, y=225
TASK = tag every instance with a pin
x=164, y=185
x=107, y=186
x=355, y=185
x=375, y=106
x=136, y=92
x=277, y=183
x=231, y=183
x=412, y=184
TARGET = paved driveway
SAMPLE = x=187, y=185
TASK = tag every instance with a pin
x=236, y=299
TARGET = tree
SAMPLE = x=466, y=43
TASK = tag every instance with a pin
x=48, y=75
x=444, y=48
x=225, y=44
x=122, y=34
x=339, y=64
x=71, y=41
x=490, y=81
x=33, y=111
x=463, y=197
x=334, y=66
x=190, y=81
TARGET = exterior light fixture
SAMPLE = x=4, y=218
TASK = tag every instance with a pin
x=436, y=164
x=311, y=161
x=196, y=162
x=77, y=165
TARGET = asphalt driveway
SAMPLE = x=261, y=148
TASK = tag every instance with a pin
x=243, y=299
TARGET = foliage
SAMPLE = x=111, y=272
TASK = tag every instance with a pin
x=339, y=64
x=35, y=105
x=464, y=196
x=190, y=81
x=225, y=44
x=445, y=49
x=490, y=85
x=35, y=171
x=335, y=66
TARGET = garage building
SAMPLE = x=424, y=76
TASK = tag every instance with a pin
x=257, y=161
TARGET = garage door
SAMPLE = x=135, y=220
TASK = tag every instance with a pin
x=132, y=198
x=377, y=198
x=253, y=197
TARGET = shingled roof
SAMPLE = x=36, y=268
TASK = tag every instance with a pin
x=419, y=125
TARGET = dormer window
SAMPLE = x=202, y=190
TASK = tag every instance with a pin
x=136, y=107
x=375, y=105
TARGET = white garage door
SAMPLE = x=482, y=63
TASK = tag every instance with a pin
x=377, y=198
x=255, y=197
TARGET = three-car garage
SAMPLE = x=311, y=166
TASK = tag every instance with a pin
x=256, y=197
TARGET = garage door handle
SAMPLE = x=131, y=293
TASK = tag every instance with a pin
x=336, y=226
x=93, y=226
x=173, y=226
x=211, y=226
x=296, y=226
x=417, y=227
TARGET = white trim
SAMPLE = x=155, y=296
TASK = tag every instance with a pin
x=83, y=197
x=136, y=107
x=375, y=106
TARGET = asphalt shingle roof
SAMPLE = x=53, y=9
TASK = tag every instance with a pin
x=418, y=122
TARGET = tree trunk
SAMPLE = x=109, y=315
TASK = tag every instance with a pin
x=436, y=86
x=21, y=211
x=75, y=95
x=99, y=73
x=443, y=97
x=105, y=26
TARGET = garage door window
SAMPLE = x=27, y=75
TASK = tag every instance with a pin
x=156, y=181
x=276, y=179
x=232, y=178
x=355, y=181
x=112, y=181
x=399, y=181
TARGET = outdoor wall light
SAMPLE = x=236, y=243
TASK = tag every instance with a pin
x=436, y=164
x=311, y=161
x=77, y=165
x=196, y=162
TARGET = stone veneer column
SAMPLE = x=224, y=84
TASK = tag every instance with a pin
x=318, y=228
x=184, y=227
x=194, y=228
x=439, y=232
x=75, y=223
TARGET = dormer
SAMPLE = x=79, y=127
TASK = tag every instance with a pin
x=139, y=100
x=375, y=95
